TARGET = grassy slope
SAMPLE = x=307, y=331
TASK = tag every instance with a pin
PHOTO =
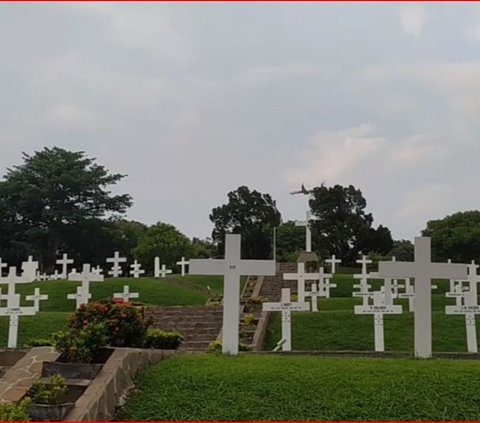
x=253, y=388
x=335, y=327
x=56, y=309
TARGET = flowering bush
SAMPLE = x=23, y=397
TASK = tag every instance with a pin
x=125, y=324
x=81, y=345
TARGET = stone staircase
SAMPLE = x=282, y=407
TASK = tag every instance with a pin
x=199, y=325
x=272, y=285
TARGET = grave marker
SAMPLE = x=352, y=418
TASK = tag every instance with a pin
x=363, y=284
x=136, y=269
x=332, y=262
x=29, y=269
x=300, y=277
x=64, y=262
x=423, y=270
x=286, y=307
x=116, y=270
x=126, y=294
x=85, y=277
x=308, y=232
x=36, y=298
x=232, y=267
x=13, y=309
x=182, y=263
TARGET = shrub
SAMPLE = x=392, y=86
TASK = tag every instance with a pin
x=40, y=342
x=257, y=300
x=125, y=324
x=248, y=319
x=157, y=338
x=11, y=412
x=51, y=392
x=81, y=345
x=216, y=346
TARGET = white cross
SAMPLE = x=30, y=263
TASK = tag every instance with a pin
x=29, y=269
x=126, y=294
x=56, y=276
x=156, y=267
x=314, y=294
x=300, y=277
x=286, y=307
x=43, y=277
x=13, y=309
x=308, y=232
x=232, y=267
x=80, y=297
x=364, y=286
x=381, y=305
x=182, y=263
x=333, y=261
x=97, y=270
x=395, y=288
x=409, y=293
x=2, y=265
x=36, y=298
x=136, y=269
x=469, y=307
x=64, y=262
x=423, y=270
x=85, y=277
x=164, y=271
x=324, y=284
x=116, y=268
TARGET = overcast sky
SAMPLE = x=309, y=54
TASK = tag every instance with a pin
x=194, y=100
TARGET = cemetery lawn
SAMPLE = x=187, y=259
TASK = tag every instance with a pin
x=336, y=328
x=250, y=387
x=171, y=291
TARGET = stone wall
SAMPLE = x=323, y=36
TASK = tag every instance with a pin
x=111, y=385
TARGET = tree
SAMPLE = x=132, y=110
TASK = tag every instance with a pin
x=53, y=192
x=203, y=248
x=403, y=250
x=341, y=225
x=162, y=240
x=456, y=236
x=251, y=214
x=290, y=241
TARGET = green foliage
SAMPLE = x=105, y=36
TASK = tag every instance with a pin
x=125, y=324
x=162, y=240
x=53, y=193
x=456, y=236
x=11, y=412
x=81, y=345
x=213, y=387
x=342, y=227
x=248, y=319
x=203, y=248
x=251, y=214
x=257, y=299
x=290, y=242
x=51, y=392
x=157, y=338
x=216, y=347
x=39, y=342
x=403, y=250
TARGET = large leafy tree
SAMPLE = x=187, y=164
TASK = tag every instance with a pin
x=251, y=214
x=290, y=241
x=456, y=236
x=51, y=195
x=341, y=225
x=165, y=241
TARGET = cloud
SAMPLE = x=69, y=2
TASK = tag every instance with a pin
x=413, y=19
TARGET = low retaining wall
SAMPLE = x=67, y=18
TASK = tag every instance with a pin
x=111, y=385
x=18, y=379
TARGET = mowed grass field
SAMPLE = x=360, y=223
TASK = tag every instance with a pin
x=298, y=388
x=336, y=327
x=171, y=291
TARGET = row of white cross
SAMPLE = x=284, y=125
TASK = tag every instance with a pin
x=30, y=268
x=14, y=310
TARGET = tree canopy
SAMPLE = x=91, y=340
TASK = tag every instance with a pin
x=341, y=225
x=251, y=214
x=456, y=236
x=52, y=194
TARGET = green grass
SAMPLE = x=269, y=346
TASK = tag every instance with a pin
x=336, y=327
x=281, y=388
